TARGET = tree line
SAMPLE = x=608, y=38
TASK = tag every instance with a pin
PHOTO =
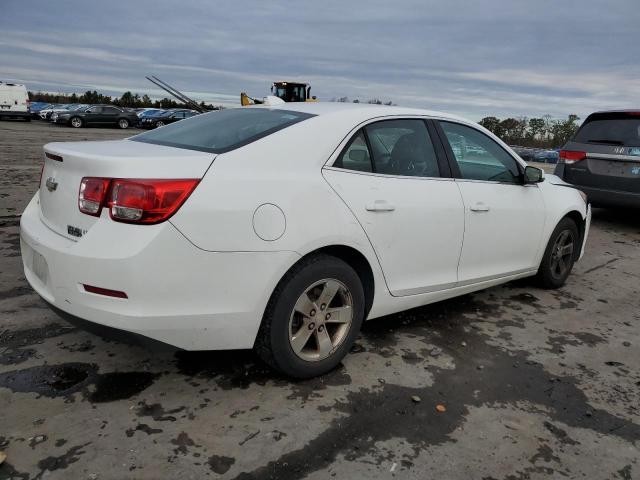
x=537, y=132
x=128, y=99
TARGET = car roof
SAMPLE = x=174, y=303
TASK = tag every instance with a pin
x=622, y=110
x=364, y=109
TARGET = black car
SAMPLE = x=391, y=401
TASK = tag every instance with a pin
x=603, y=158
x=164, y=118
x=101, y=115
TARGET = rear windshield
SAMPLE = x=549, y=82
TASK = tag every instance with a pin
x=611, y=129
x=222, y=131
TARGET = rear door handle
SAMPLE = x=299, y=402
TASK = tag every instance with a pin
x=380, y=206
x=479, y=207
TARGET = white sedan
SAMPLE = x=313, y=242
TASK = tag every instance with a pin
x=284, y=228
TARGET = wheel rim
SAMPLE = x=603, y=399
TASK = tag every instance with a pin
x=561, y=254
x=320, y=320
x=124, y=124
x=159, y=124
x=76, y=122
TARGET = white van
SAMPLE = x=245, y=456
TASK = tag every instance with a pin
x=14, y=101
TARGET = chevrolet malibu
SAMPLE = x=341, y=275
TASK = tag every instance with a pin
x=282, y=228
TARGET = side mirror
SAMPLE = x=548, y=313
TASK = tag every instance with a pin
x=533, y=175
x=358, y=155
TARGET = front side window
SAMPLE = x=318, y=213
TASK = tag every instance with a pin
x=402, y=147
x=95, y=110
x=224, y=130
x=478, y=156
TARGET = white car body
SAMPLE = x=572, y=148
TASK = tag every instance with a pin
x=202, y=279
x=14, y=100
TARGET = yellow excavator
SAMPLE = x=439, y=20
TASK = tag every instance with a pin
x=286, y=91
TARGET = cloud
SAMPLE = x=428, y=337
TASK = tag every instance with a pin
x=495, y=57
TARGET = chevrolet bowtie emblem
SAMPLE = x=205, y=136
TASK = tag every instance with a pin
x=51, y=184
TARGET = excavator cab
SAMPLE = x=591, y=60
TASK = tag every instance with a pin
x=286, y=91
x=292, y=92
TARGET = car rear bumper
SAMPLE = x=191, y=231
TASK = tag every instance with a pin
x=177, y=293
x=613, y=198
x=13, y=114
x=602, y=195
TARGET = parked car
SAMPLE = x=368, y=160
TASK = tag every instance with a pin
x=14, y=101
x=546, y=156
x=36, y=107
x=165, y=118
x=603, y=158
x=290, y=225
x=148, y=111
x=46, y=113
x=103, y=115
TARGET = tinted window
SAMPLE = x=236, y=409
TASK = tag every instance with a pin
x=223, y=130
x=95, y=109
x=402, y=147
x=110, y=110
x=356, y=155
x=611, y=128
x=478, y=156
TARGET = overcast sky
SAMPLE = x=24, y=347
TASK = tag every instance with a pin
x=471, y=57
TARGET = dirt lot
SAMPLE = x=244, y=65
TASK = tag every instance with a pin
x=536, y=384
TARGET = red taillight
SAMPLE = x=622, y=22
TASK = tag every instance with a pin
x=570, y=156
x=132, y=200
x=104, y=291
x=91, y=197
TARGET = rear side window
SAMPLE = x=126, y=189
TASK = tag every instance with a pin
x=224, y=130
x=611, y=129
x=402, y=147
x=391, y=147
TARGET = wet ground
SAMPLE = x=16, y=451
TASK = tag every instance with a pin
x=510, y=383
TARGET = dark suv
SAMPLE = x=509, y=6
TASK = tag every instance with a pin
x=603, y=158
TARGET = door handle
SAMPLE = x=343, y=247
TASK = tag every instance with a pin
x=380, y=206
x=479, y=207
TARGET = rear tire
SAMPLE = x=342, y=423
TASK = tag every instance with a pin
x=299, y=321
x=123, y=123
x=559, y=255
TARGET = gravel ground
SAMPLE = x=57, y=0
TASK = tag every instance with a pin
x=510, y=383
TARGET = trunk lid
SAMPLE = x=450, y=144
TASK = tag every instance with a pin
x=65, y=165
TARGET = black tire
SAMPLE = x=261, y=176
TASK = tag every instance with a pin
x=273, y=344
x=76, y=122
x=550, y=275
x=159, y=123
x=123, y=123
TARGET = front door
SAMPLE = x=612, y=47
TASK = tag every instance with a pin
x=389, y=176
x=504, y=218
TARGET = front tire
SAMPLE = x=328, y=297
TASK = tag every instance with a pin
x=559, y=255
x=313, y=318
x=75, y=122
x=159, y=123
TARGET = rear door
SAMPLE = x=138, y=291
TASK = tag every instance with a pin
x=400, y=190
x=110, y=115
x=504, y=219
x=605, y=153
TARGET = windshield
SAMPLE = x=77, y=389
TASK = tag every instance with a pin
x=224, y=130
x=611, y=129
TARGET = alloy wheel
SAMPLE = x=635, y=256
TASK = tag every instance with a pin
x=320, y=320
x=123, y=123
x=76, y=122
x=562, y=253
